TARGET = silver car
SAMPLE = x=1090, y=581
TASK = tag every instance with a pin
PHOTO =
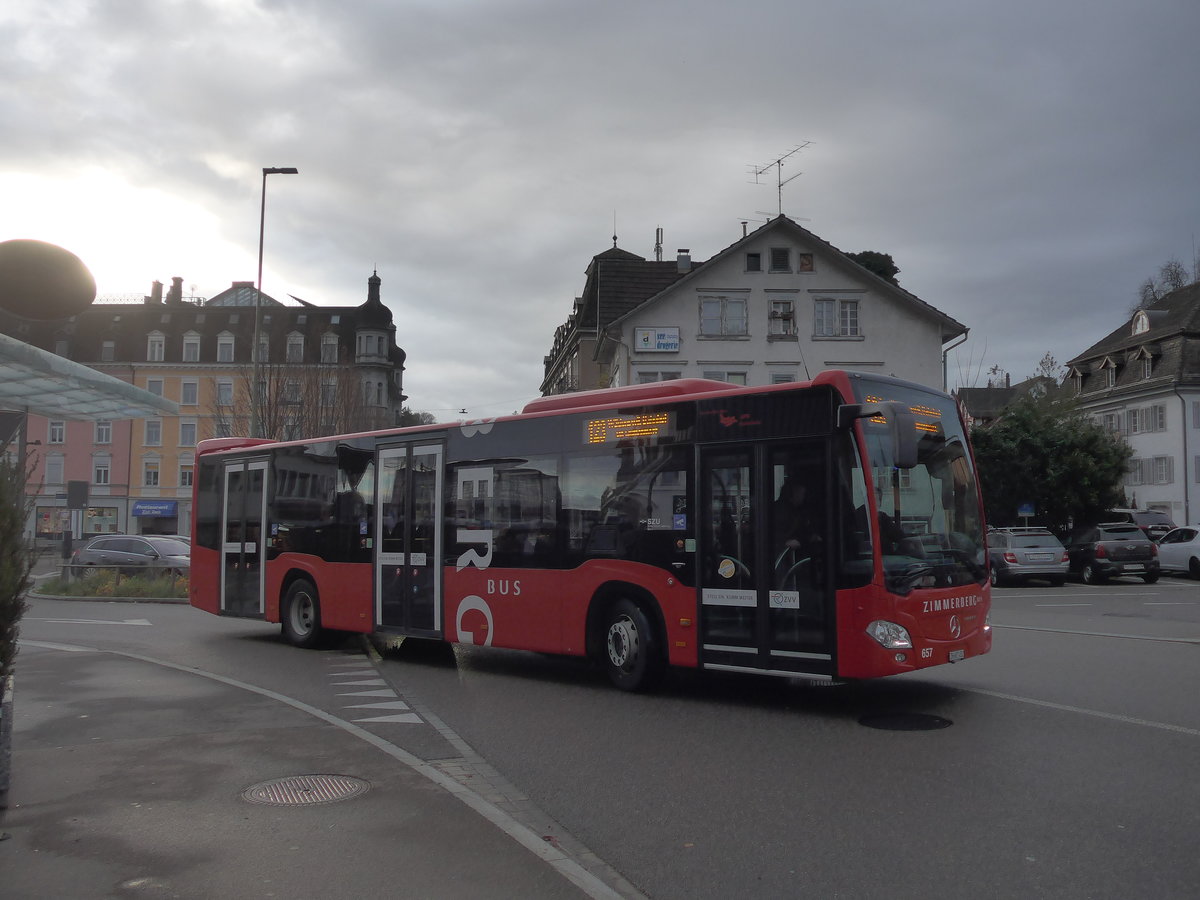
x=135, y=553
x=1179, y=551
x=1017, y=554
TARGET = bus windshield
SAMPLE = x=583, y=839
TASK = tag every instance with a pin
x=930, y=528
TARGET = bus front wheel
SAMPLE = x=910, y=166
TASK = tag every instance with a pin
x=631, y=653
x=300, y=616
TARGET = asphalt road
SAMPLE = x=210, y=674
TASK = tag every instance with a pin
x=1063, y=764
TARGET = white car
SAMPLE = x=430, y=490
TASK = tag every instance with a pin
x=1179, y=551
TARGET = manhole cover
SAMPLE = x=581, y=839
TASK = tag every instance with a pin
x=905, y=722
x=306, y=790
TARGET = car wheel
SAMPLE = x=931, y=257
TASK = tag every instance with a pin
x=994, y=577
x=1150, y=579
x=1091, y=576
x=630, y=649
x=1194, y=567
x=300, y=615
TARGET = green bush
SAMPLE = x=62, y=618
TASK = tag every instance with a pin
x=16, y=561
x=109, y=583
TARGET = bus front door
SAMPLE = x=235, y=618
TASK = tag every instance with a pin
x=408, y=539
x=765, y=601
x=243, y=511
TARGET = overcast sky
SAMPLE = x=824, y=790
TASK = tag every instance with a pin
x=1027, y=163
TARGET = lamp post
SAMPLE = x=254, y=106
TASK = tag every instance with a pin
x=256, y=429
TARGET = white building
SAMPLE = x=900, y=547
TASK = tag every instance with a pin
x=778, y=305
x=1142, y=382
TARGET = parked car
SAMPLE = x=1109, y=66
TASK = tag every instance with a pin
x=1100, y=552
x=1018, y=554
x=134, y=553
x=1154, y=523
x=1179, y=551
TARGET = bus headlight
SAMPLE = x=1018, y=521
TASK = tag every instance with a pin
x=890, y=635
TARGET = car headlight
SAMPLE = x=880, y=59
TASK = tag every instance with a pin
x=890, y=635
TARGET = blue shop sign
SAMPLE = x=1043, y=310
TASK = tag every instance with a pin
x=163, y=508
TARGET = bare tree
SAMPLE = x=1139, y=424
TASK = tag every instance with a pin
x=1172, y=275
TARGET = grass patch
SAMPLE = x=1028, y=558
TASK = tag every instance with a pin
x=110, y=583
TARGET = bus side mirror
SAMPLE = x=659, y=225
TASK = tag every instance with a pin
x=902, y=427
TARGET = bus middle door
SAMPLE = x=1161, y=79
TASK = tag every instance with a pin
x=408, y=539
x=243, y=512
x=765, y=600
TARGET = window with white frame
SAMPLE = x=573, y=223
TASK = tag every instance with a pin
x=153, y=432
x=328, y=392
x=723, y=316
x=291, y=391
x=54, y=468
x=103, y=431
x=264, y=348
x=329, y=348
x=733, y=377
x=835, y=318
x=295, y=348
x=1110, y=376
x=649, y=376
x=58, y=433
x=224, y=393
x=156, y=343
x=108, y=351
x=102, y=471
x=191, y=347
x=225, y=347
x=189, y=392
x=1147, y=367
x=782, y=378
x=781, y=318
x=150, y=473
x=186, y=471
x=155, y=386
x=1163, y=471
x=187, y=432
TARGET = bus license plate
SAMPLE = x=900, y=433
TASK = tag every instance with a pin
x=956, y=655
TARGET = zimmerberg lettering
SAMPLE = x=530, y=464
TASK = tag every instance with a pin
x=950, y=603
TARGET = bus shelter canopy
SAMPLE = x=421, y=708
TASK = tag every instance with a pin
x=46, y=384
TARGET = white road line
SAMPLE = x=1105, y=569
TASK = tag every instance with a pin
x=407, y=718
x=1053, y=605
x=1065, y=707
x=141, y=622
x=386, y=692
x=372, y=682
x=1108, y=634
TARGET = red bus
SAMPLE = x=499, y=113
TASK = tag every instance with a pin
x=829, y=528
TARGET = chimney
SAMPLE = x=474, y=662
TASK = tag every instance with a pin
x=175, y=294
x=1007, y=380
x=155, y=298
x=683, y=262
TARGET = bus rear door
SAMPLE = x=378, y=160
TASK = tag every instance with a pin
x=408, y=539
x=765, y=601
x=243, y=512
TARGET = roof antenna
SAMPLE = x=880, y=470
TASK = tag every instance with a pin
x=614, y=229
x=759, y=171
x=658, y=244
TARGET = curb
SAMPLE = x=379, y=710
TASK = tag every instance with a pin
x=34, y=595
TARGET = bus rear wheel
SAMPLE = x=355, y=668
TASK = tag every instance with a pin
x=300, y=615
x=630, y=653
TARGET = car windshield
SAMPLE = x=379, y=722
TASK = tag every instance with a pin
x=1121, y=533
x=930, y=524
x=1034, y=540
x=172, y=548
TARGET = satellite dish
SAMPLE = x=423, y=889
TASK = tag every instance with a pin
x=43, y=281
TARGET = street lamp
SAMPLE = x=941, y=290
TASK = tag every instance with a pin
x=256, y=429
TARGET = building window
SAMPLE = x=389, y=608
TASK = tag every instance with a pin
x=781, y=318
x=224, y=393
x=727, y=376
x=101, y=473
x=191, y=347
x=54, y=468
x=187, y=434
x=645, y=376
x=836, y=318
x=225, y=347
x=58, y=432
x=1147, y=367
x=103, y=431
x=782, y=378
x=62, y=347
x=328, y=393
x=155, y=386
x=295, y=348
x=189, y=393
x=329, y=348
x=753, y=262
x=806, y=263
x=291, y=391
x=1163, y=470
x=150, y=473
x=153, y=432
x=781, y=259
x=155, y=345
x=723, y=316
x=108, y=351
x=185, y=475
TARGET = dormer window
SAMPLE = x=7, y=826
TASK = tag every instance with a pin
x=1141, y=322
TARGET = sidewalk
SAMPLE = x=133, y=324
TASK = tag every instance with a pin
x=133, y=779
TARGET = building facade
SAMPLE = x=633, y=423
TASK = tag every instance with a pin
x=319, y=370
x=778, y=305
x=1142, y=382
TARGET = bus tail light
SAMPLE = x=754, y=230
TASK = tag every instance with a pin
x=890, y=635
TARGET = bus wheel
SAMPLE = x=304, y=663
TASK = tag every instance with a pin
x=300, y=615
x=631, y=654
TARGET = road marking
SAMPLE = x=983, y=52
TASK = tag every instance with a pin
x=92, y=621
x=1108, y=634
x=1170, y=603
x=1065, y=707
x=1049, y=605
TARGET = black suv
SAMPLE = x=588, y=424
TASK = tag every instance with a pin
x=1099, y=552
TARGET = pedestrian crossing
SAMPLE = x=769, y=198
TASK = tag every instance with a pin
x=377, y=703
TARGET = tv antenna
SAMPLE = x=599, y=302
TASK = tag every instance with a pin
x=777, y=165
